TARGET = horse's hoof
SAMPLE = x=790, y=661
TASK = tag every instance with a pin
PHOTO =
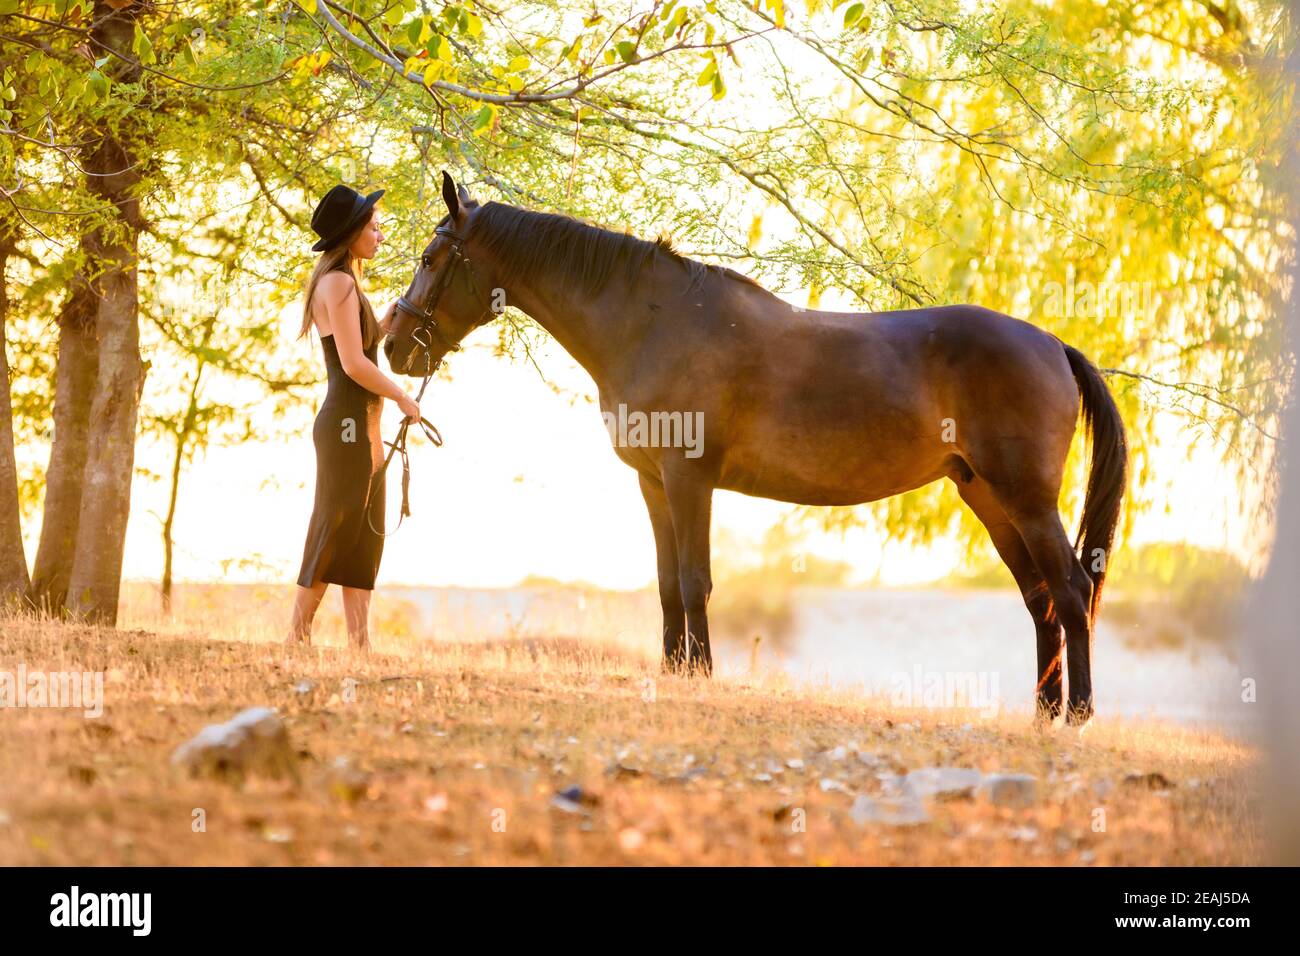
x=1079, y=717
x=1045, y=722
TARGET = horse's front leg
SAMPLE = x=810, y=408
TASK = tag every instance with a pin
x=670, y=590
x=690, y=502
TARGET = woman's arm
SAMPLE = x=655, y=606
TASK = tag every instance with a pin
x=343, y=309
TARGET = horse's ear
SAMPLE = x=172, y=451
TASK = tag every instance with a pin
x=466, y=200
x=449, y=196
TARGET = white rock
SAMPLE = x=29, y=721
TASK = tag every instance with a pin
x=943, y=782
x=899, y=812
x=254, y=741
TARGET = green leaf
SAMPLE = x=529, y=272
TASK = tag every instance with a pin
x=853, y=14
x=627, y=50
x=719, y=87
x=482, y=120
x=439, y=48
x=141, y=45
x=308, y=5
x=706, y=75
x=418, y=31
x=98, y=83
x=518, y=64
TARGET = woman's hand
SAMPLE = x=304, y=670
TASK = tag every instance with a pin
x=409, y=409
x=387, y=320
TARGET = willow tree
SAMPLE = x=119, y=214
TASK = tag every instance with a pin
x=1108, y=171
x=884, y=154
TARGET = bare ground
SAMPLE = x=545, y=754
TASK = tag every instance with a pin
x=454, y=753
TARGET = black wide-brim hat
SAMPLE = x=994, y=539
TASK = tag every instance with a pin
x=340, y=212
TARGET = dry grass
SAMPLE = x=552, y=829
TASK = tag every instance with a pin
x=456, y=751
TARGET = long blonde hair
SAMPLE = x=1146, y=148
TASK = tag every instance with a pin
x=330, y=260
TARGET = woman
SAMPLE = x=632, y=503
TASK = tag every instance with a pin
x=342, y=546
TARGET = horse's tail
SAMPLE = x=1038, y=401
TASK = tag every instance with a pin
x=1106, y=479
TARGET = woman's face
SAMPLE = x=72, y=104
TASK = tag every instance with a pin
x=367, y=242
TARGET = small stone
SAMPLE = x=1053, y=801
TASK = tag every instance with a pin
x=943, y=783
x=573, y=800
x=347, y=782
x=630, y=839
x=828, y=785
x=874, y=761
x=689, y=774
x=1010, y=789
x=277, y=834
x=304, y=687
x=794, y=763
x=437, y=803
x=899, y=811
x=1153, y=780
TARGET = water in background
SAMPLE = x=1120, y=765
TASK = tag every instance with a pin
x=918, y=647
x=891, y=642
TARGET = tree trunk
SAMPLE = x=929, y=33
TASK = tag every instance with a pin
x=110, y=454
x=1273, y=649
x=182, y=439
x=13, y=560
x=74, y=389
x=183, y=433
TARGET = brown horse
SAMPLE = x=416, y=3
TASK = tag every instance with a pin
x=818, y=408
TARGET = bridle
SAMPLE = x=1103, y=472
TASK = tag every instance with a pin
x=428, y=327
x=424, y=334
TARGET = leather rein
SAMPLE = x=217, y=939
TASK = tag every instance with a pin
x=423, y=334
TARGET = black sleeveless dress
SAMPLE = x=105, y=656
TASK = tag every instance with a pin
x=342, y=548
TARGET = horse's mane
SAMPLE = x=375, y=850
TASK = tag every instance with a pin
x=582, y=255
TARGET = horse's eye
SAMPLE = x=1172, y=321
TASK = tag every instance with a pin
x=424, y=261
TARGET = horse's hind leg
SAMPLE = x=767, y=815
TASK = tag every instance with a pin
x=1071, y=589
x=1033, y=590
x=670, y=589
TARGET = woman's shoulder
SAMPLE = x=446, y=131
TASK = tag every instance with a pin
x=335, y=284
